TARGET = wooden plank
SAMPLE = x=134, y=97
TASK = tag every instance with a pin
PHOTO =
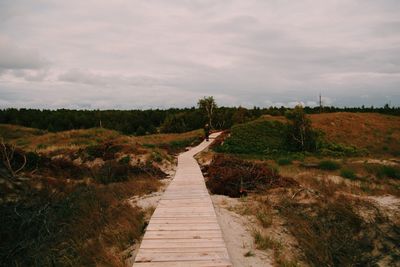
x=201, y=220
x=144, y=256
x=184, y=249
x=215, y=263
x=177, y=227
x=184, y=230
x=181, y=243
x=194, y=234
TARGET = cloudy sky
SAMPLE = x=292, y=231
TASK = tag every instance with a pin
x=127, y=54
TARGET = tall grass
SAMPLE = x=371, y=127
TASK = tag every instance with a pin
x=77, y=226
x=331, y=233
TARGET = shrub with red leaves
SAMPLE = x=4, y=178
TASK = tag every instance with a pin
x=234, y=177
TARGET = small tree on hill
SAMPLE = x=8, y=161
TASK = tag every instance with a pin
x=208, y=105
x=301, y=136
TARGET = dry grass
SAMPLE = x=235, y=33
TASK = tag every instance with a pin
x=53, y=220
x=157, y=139
x=332, y=232
x=44, y=142
x=73, y=225
x=375, y=132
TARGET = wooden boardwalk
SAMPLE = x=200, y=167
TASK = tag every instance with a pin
x=184, y=230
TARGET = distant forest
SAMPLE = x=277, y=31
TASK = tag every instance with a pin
x=141, y=122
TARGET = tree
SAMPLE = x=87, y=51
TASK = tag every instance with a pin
x=240, y=115
x=174, y=123
x=208, y=105
x=140, y=130
x=301, y=136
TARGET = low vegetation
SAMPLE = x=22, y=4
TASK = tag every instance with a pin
x=235, y=177
x=64, y=196
x=64, y=225
x=348, y=173
x=328, y=165
x=256, y=137
x=341, y=209
x=331, y=232
x=284, y=161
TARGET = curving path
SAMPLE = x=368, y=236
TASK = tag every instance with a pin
x=184, y=230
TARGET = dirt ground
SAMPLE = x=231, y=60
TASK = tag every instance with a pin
x=237, y=232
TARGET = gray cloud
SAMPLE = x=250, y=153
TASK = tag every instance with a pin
x=130, y=54
x=13, y=56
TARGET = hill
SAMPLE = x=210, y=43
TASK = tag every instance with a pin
x=376, y=133
x=67, y=198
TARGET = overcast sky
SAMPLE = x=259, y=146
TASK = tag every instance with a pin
x=126, y=54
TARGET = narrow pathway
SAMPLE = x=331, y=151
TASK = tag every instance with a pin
x=184, y=230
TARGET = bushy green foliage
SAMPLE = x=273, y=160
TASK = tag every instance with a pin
x=256, y=137
x=125, y=160
x=339, y=150
x=388, y=172
x=284, y=161
x=262, y=137
x=156, y=156
x=141, y=130
x=175, y=123
x=383, y=171
x=348, y=173
x=328, y=165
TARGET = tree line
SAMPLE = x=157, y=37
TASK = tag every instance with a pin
x=140, y=122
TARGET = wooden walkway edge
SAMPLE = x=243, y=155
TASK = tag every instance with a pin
x=184, y=230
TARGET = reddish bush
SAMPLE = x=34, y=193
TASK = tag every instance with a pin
x=232, y=177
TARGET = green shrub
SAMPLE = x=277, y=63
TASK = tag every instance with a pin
x=125, y=160
x=339, y=150
x=149, y=145
x=256, y=137
x=156, y=156
x=388, y=171
x=264, y=242
x=348, y=173
x=284, y=161
x=328, y=165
